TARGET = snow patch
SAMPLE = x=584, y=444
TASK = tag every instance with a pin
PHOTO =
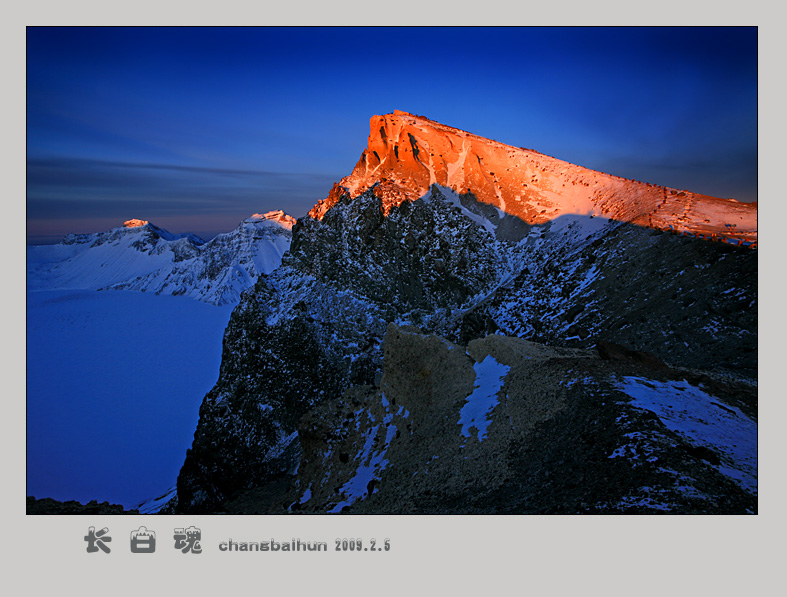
x=453, y=198
x=696, y=416
x=156, y=504
x=489, y=375
x=371, y=463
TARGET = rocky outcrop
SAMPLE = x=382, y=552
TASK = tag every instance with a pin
x=50, y=506
x=315, y=326
x=688, y=302
x=504, y=425
x=271, y=373
x=418, y=256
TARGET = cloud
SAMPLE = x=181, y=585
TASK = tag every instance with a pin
x=61, y=171
x=86, y=183
x=113, y=191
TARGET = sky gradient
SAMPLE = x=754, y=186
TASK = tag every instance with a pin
x=197, y=128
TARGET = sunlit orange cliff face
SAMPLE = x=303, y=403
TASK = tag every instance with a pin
x=406, y=154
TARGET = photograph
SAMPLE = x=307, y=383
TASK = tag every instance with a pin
x=409, y=270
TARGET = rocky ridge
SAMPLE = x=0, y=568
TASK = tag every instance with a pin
x=406, y=154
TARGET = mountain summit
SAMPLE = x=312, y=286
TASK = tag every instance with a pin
x=406, y=154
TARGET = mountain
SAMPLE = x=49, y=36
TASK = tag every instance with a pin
x=511, y=186
x=620, y=317
x=141, y=256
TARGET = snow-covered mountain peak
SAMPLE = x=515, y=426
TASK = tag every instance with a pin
x=406, y=154
x=142, y=256
x=277, y=217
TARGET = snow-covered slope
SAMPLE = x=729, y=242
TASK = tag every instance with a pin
x=141, y=256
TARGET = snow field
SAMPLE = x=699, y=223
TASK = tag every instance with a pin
x=114, y=384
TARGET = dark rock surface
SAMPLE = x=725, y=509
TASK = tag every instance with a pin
x=562, y=437
x=50, y=506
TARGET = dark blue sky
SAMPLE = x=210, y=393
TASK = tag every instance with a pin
x=195, y=129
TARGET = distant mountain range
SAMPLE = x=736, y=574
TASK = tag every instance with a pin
x=142, y=256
